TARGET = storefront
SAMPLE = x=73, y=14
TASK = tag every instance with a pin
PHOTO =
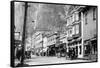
x=90, y=48
x=61, y=50
x=51, y=51
x=75, y=48
x=16, y=46
x=38, y=51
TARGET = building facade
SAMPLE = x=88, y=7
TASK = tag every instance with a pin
x=38, y=42
x=90, y=31
x=81, y=26
x=51, y=42
x=28, y=43
x=74, y=30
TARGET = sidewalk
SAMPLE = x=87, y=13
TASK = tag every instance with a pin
x=40, y=60
x=16, y=62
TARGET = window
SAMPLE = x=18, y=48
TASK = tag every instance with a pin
x=79, y=15
x=80, y=47
x=94, y=13
x=73, y=17
x=68, y=21
x=73, y=30
x=70, y=31
x=77, y=29
x=76, y=16
x=86, y=18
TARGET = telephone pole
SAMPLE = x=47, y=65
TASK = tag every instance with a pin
x=24, y=31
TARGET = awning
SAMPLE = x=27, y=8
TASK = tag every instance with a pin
x=17, y=41
x=93, y=39
x=74, y=41
x=60, y=44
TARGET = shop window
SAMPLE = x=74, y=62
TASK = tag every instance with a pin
x=76, y=49
x=80, y=41
x=87, y=50
x=80, y=47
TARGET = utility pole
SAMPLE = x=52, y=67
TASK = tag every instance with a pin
x=24, y=31
x=42, y=44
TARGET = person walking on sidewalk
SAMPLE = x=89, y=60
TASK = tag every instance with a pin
x=19, y=52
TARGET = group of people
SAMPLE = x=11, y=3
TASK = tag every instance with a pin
x=19, y=53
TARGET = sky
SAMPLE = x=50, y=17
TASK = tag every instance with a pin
x=42, y=17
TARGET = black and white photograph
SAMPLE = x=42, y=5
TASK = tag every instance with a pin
x=53, y=33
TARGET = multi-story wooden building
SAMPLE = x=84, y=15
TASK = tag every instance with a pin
x=38, y=42
x=51, y=42
x=81, y=25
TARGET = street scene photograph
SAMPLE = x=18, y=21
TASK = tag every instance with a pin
x=53, y=33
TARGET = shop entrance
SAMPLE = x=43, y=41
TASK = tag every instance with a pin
x=61, y=50
x=51, y=51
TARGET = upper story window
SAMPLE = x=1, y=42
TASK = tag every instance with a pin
x=77, y=29
x=73, y=19
x=70, y=32
x=68, y=21
x=86, y=18
x=73, y=30
x=94, y=13
x=79, y=15
x=76, y=16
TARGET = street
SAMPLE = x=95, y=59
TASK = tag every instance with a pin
x=39, y=60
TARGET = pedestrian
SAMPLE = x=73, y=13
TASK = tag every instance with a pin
x=19, y=52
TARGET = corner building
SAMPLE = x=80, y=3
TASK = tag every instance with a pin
x=78, y=31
